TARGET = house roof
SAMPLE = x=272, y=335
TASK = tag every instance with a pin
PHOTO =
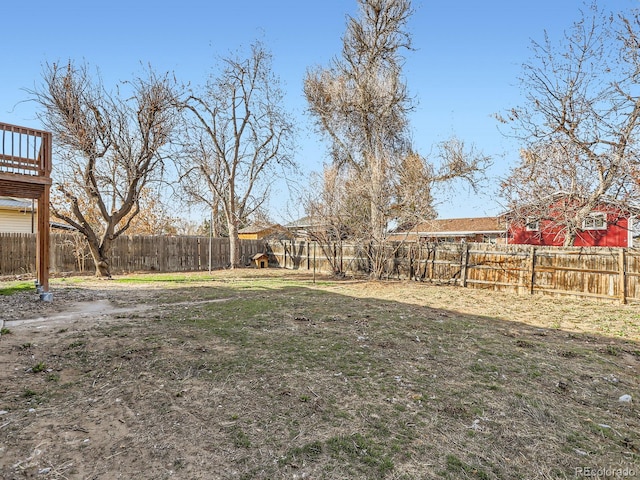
x=460, y=226
x=274, y=230
x=63, y=226
x=257, y=228
x=301, y=223
x=309, y=222
x=12, y=203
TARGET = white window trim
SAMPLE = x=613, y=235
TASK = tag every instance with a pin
x=602, y=216
x=532, y=225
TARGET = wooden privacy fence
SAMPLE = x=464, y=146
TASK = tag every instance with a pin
x=312, y=255
x=69, y=253
x=603, y=273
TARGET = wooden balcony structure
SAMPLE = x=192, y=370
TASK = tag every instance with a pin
x=25, y=172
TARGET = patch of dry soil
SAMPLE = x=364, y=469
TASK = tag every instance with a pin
x=90, y=412
x=43, y=333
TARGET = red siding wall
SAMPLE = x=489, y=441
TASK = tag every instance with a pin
x=616, y=234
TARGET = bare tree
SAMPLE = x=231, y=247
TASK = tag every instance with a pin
x=239, y=135
x=109, y=147
x=155, y=216
x=579, y=125
x=331, y=205
x=360, y=103
x=416, y=179
x=197, y=180
x=339, y=201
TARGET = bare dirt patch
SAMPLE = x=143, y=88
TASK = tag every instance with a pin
x=268, y=375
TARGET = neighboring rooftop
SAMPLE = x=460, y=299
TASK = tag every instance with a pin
x=13, y=203
x=256, y=228
x=449, y=226
x=303, y=222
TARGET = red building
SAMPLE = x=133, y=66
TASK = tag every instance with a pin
x=605, y=226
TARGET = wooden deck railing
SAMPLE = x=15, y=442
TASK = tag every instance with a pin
x=25, y=151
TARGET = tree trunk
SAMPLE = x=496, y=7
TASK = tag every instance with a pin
x=216, y=231
x=234, y=246
x=100, y=260
x=570, y=237
x=378, y=219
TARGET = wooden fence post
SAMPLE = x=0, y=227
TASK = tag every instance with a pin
x=463, y=265
x=284, y=253
x=432, y=263
x=622, y=278
x=410, y=261
x=532, y=269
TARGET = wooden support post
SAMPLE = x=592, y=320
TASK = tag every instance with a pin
x=622, y=277
x=42, y=239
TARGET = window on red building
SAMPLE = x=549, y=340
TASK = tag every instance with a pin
x=595, y=221
x=533, y=225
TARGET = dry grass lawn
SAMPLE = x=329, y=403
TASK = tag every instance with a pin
x=265, y=374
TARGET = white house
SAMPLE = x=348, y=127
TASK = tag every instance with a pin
x=17, y=215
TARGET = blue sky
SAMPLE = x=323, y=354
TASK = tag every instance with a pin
x=467, y=59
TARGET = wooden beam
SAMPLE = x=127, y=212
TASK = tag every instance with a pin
x=25, y=179
x=22, y=186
